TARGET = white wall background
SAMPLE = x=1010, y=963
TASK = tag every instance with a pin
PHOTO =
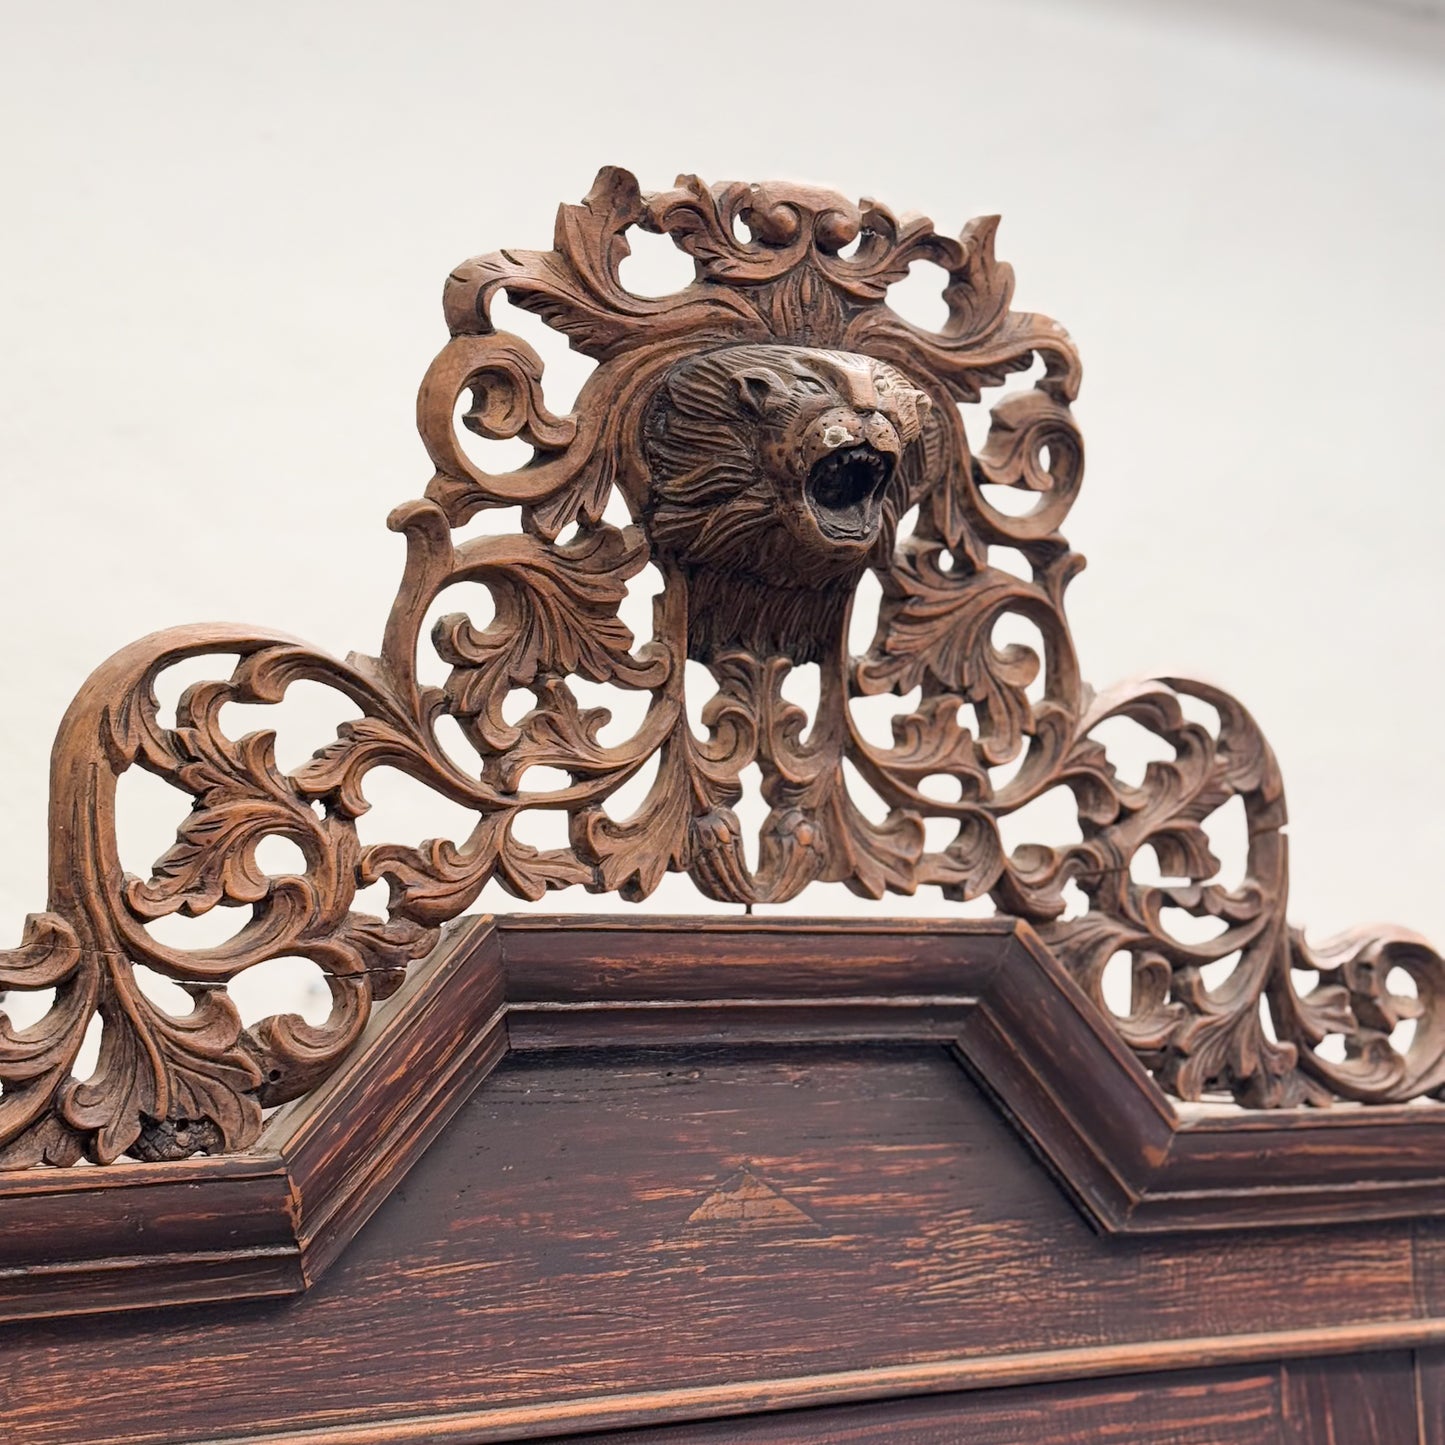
x=225, y=230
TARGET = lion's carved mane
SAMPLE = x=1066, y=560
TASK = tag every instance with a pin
x=778, y=473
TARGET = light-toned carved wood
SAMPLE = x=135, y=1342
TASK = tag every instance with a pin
x=768, y=427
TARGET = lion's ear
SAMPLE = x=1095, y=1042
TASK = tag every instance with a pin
x=756, y=386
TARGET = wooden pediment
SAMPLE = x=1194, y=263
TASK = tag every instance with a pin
x=986, y=996
x=606, y=1172
x=535, y=1176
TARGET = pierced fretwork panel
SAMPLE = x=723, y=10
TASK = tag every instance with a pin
x=768, y=438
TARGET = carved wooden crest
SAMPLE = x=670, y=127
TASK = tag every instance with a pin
x=777, y=432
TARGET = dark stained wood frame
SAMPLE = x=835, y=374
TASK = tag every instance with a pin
x=269, y=1222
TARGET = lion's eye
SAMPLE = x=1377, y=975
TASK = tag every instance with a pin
x=882, y=385
x=811, y=385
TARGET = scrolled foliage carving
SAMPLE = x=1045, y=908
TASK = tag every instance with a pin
x=770, y=428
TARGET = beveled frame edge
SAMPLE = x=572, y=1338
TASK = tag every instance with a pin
x=268, y=1223
x=90, y=1241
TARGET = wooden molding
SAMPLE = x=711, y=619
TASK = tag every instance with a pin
x=265, y=1223
x=270, y=1221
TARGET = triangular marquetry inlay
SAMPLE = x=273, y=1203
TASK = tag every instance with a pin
x=747, y=1202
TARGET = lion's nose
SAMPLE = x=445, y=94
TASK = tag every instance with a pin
x=860, y=389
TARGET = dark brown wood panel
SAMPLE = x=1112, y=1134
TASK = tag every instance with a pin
x=602, y=960
x=1430, y=1393
x=269, y=1223
x=1365, y=1400
x=824, y=1221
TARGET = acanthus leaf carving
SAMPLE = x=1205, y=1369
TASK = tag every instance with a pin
x=556, y=614
x=776, y=432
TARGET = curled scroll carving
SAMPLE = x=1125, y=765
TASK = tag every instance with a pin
x=769, y=428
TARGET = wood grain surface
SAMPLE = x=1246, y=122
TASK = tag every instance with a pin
x=989, y=993
x=608, y=1236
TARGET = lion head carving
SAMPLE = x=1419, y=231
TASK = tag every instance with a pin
x=776, y=474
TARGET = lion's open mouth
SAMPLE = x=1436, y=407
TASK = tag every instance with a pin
x=845, y=492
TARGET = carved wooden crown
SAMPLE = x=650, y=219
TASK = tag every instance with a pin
x=777, y=432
